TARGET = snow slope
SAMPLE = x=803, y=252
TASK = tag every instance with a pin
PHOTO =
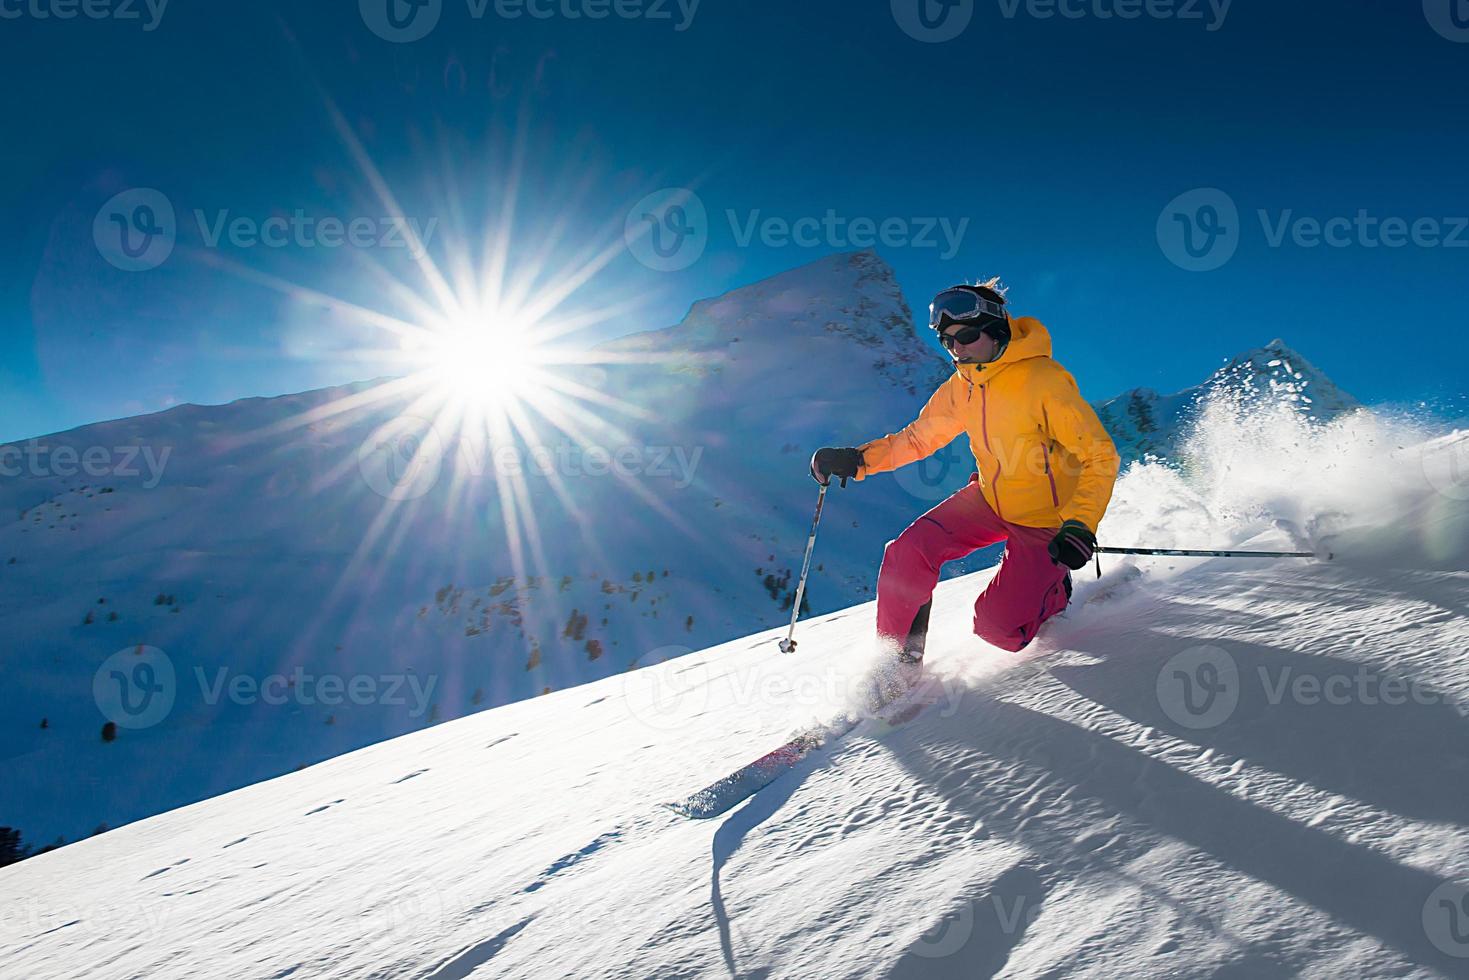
x=1078, y=811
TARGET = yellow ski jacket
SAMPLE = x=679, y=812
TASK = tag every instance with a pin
x=1042, y=453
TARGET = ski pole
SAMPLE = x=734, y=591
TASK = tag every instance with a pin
x=1183, y=553
x=788, y=645
x=1209, y=554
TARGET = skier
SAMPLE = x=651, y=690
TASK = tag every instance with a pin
x=1046, y=470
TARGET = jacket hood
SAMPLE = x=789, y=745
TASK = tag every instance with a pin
x=1028, y=338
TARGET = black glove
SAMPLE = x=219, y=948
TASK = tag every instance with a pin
x=840, y=463
x=1073, y=545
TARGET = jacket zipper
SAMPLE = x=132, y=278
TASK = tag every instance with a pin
x=984, y=428
x=1046, y=448
x=1055, y=498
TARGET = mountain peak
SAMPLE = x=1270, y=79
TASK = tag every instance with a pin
x=845, y=308
x=1279, y=370
x=854, y=283
x=1144, y=423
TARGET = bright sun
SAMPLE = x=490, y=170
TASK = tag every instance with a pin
x=486, y=364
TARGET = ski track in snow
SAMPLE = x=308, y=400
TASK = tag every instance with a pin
x=1059, y=813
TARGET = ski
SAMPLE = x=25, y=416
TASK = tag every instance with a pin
x=725, y=794
x=1121, y=582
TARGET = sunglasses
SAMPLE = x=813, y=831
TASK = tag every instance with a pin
x=966, y=334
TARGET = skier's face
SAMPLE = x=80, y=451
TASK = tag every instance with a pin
x=981, y=351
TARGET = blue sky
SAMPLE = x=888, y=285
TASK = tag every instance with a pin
x=1057, y=144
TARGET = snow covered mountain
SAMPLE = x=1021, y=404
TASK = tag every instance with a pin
x=265, y=555
x=1236, y=769
x=1144, y=423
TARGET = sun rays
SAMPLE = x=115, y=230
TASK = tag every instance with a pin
x=487, y=345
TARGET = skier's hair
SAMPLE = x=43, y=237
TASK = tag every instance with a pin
x=992, y=288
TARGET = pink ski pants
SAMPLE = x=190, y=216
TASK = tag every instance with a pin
x=1026, y=591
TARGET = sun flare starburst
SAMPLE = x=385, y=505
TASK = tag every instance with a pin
x=487, y=363
x=488, y=342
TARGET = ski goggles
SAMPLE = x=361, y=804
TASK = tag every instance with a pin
x=960, y=305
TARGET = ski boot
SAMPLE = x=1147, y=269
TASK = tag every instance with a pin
x=900, y=669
